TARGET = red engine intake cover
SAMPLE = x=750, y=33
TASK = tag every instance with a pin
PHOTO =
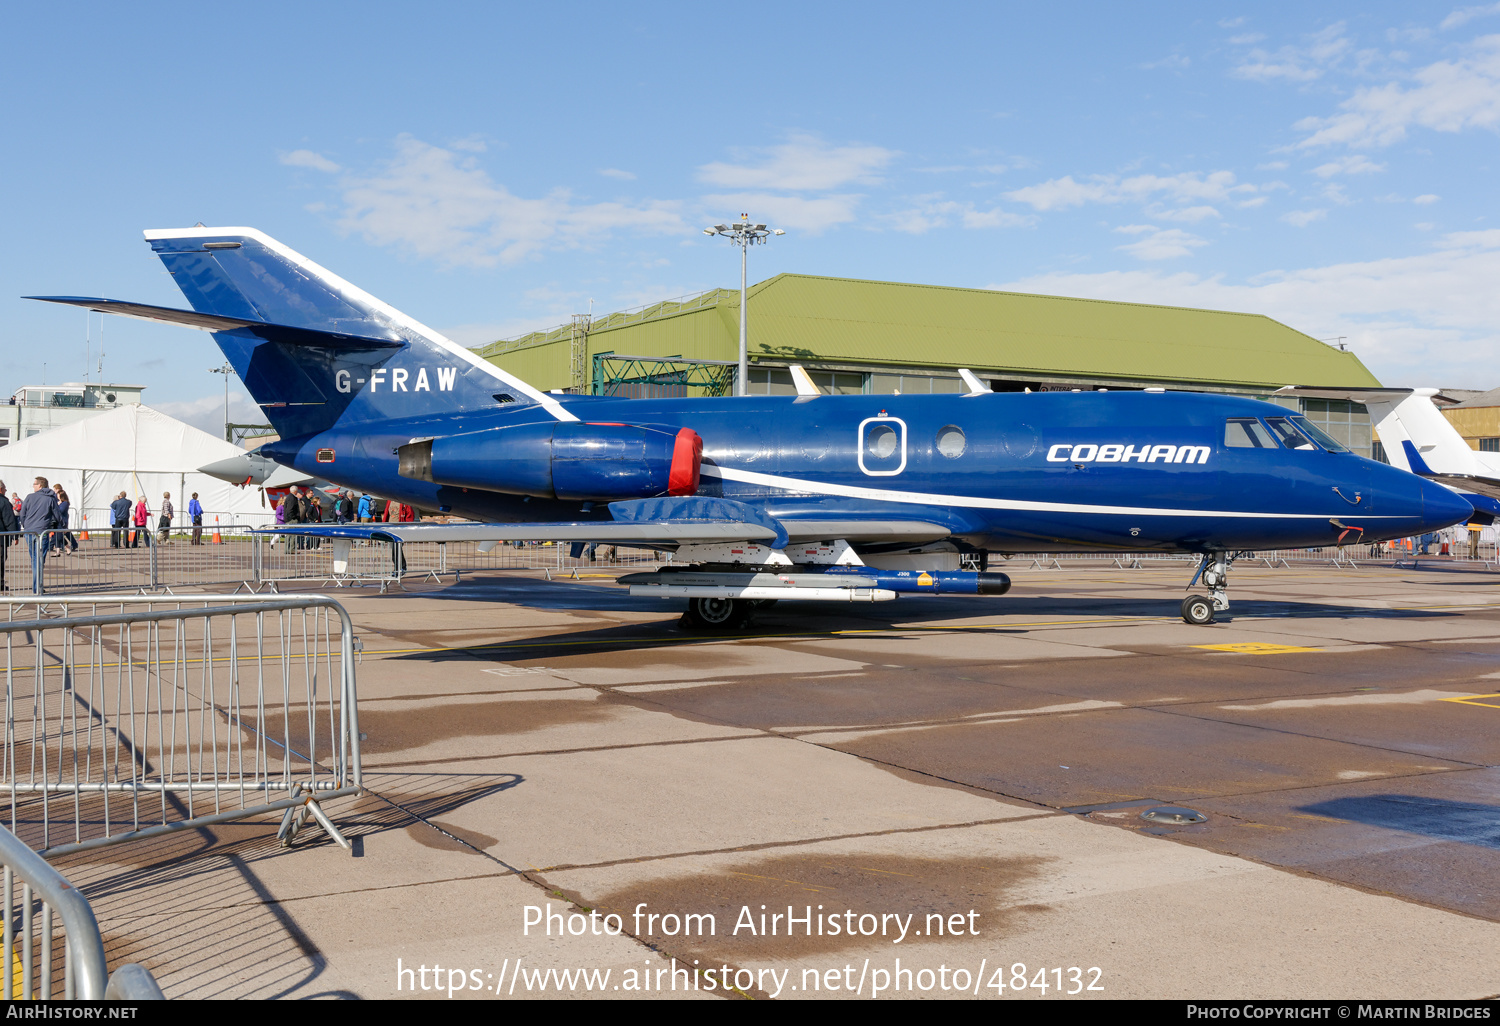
x=687, y=463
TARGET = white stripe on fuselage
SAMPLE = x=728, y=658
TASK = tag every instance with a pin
x=977, y=502
x=549, y=403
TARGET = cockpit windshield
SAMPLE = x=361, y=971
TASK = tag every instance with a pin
x=1288, y=435
x=1318, y=435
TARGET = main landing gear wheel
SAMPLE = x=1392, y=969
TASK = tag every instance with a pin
x=1197, y=610
x=716, y=613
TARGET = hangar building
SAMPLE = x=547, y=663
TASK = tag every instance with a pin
x=881, y=337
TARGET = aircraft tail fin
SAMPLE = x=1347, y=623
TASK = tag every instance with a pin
x=298, y=319
x=1429, y=443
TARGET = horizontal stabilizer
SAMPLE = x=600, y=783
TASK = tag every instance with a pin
x=1463, y=482
x=1353, y=395
x=215, y=322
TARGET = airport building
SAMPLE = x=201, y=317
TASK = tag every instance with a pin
x=33, y=409
x=1476, y=418
x=881, y=337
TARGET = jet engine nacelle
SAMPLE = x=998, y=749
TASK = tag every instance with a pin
x=562, y=460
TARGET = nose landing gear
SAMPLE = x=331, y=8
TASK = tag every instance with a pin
x=1199, y=609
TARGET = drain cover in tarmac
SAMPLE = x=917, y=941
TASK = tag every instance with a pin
x=1174, y=815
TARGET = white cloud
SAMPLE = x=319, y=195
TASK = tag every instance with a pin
x=1185, y=188
x=1464, y=14
x=1160, y=245
x=1275, y=165
x=614, y=172
x=1428, y=319
x=1187, y=213
x=1297, y=63
x=1447, y=96
x=1175, y=61
x=207, y=413
x=803, y=163
x=307, y=158
x=1426, y=198
x=933, y=211
x=445, y=207
x=1354, y=164
x=1303, y=218
x=792, y=212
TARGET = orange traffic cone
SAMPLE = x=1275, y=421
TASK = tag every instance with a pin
x=217, y=539
x=84, y=534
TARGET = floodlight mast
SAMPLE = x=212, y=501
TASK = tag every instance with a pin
x=744, y=235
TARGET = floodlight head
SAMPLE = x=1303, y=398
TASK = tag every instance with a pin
x=760, y=227
x=721, y=227
x=777, y=231
x=708, y=231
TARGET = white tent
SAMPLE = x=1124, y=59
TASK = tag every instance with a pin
x=139, y=451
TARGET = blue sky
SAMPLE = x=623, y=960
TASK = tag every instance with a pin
x=492, y=168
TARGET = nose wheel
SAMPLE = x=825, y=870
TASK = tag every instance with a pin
x=1197, y=610
x=1200, y=609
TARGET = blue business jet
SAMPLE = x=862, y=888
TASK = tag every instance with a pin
x=830, y=498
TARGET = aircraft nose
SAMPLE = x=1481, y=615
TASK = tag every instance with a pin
x=1441, y=507
x=234, y=468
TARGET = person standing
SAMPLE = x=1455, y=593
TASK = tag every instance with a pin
x=64, y=542
x=314, y=516
x=365, y=502
x=141, y=518
x=39, y=520
x=164, y=525
x=195, y=510
x=119, y=520
x=296, y=514
x=9, y=525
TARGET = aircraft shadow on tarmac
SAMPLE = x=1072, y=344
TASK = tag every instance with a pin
x=1438, y=818
x=803, y=619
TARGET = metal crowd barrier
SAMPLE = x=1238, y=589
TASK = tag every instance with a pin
x=1346, y=557
x=128, y=717
x=30, y=951
x=236, y=556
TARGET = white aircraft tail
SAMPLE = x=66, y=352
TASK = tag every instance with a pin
x=1416, y=435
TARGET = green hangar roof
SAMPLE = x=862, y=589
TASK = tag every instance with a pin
x=840, y=322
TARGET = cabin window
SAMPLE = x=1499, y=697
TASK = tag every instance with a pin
x=1247, y=433
x=951, y=441
x=880, y=442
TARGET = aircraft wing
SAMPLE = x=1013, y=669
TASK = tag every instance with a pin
x=603, y=531
x=686, y=519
